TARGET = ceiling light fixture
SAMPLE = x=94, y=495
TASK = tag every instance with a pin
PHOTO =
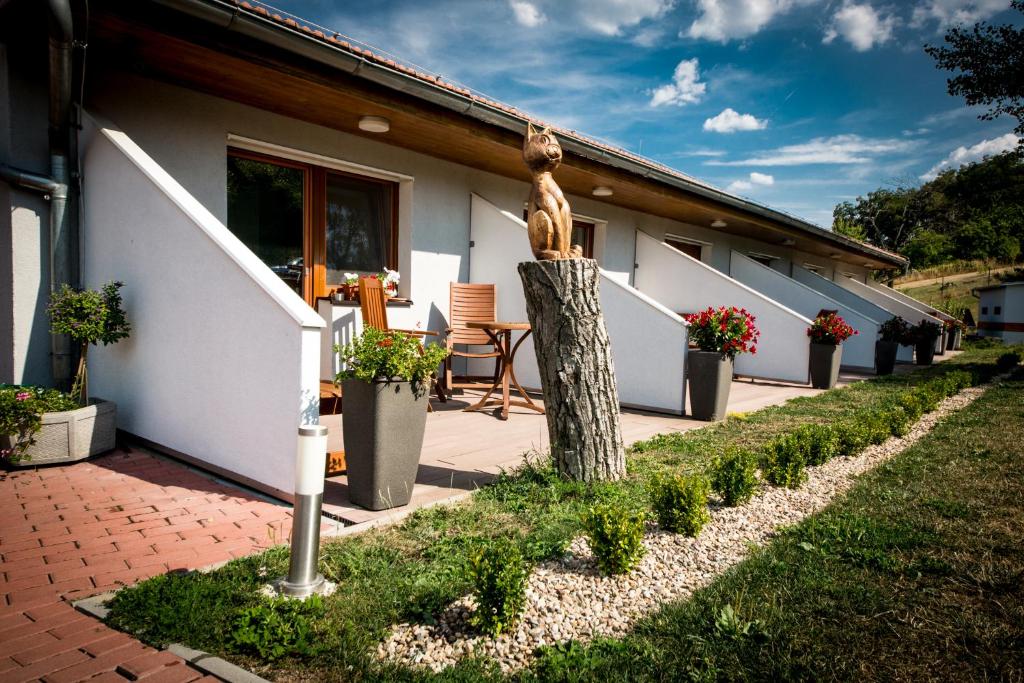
x=788, y=242
x=602, y=191
x=868, y=264
x=718, y=223
x=835, y=256
x=374, y=124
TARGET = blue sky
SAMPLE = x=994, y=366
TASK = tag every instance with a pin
x=798, y=104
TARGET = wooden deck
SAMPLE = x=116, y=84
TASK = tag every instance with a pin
x=462, y=451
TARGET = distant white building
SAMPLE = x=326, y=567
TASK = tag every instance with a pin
x=1001, y=312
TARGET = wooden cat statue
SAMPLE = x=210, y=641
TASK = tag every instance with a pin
x=549, y=219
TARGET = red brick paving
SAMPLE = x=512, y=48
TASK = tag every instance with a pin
x=74, y=531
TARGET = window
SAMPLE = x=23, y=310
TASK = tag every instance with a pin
x=813, y=268
x=984, y=310
x=689, y=248
x=997, y=310
x=309, y=224
x=763, y=259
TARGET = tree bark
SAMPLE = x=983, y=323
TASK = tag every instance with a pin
x=576, y=373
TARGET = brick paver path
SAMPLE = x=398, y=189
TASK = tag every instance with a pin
x=70, y=532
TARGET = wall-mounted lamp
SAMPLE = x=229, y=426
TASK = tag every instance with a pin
x=602, y=191
x=374, y=124
x=718, y=223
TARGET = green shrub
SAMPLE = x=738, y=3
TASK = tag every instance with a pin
x=897, y=419
x=959, y=380
x=853, y=437
x=877, y=425
x=911, y=405
x=499, y=584
x=819, y=443
x=277, y=628
x=928, y=396
x=1008, y=360
x=681, y=504
x=734, y=476
x=615, y=534
x=784, y=462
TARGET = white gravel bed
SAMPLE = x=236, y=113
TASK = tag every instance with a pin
x=568, y=599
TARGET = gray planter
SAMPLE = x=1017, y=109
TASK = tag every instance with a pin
x=71, y=435
x=924, y=351
x=940, y=348
x=825, y=361
x=383, y=425
x=885, y=356
x=953, y=339
x=709, y=375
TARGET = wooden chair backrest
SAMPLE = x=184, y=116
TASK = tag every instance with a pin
x=371, y=301
x=471, y=302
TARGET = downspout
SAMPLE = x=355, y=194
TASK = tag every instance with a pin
x=63, y=236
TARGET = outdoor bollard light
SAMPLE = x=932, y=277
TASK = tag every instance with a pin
x=303, y=579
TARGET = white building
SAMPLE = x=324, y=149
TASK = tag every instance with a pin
x=1001, y=312
x=220, y=150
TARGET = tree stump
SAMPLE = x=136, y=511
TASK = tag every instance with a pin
x=576, y=372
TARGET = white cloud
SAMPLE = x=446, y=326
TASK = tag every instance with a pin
x=527, y=13
x=685, y=87
x=609, y=17
x=862, y=26
x=965, y=155
x=724, y=20
x=839, y=149
x=730, y=121
x=760, y=179
x=954, y=12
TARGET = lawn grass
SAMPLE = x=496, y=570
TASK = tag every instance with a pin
x=411, y=571
x=916, y=574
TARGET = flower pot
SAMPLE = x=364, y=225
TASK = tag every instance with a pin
x=709, y=375
x=349, y=292
x=885, y=356
x=383, y=425
x=825, y=360
x=940, y=347
x=953, y=339
x=924, y=351
x=71, y=435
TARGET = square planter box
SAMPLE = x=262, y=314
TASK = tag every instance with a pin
x=72, y=435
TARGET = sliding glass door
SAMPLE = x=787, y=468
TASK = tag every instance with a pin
x=309, y=224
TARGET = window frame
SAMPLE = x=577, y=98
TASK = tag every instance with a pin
x=314, y=218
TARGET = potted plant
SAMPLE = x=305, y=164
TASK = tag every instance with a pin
x=390, y=279
x=719, y=334
x=21, y=418
x=385, y=383
x=954, y=334
x=893, y=333
x=924, y=335
x=827, y=333
x=350, y=286
x=82, y=426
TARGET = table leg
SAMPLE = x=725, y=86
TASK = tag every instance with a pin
x=506, y=372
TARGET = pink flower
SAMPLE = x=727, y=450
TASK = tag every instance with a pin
x=23, y=396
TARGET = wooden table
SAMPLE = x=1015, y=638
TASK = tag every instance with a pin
x=501, y=334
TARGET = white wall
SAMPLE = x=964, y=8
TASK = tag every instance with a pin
x=648, y=341
x=858, y=350
x=685, y=285
x=223, y=361
x=858, y=303
x=911, y=314
x=909, y=300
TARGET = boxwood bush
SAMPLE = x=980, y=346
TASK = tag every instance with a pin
x=784, y=461
x=734, y=475
x=681, y=503
x=615, y=534
x=499, y=584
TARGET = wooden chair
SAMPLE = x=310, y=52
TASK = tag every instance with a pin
x=470, y=302
x=373, y=305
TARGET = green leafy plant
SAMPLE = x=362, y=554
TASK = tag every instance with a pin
x=1008, y=361
x=277, y=628
x=925, y=332
x=615, y=534
x=89, y=317
x=784, y=461
x=499, y=584
x=895, y=329
x=21, y=409
x=734, y=476
x=818, y=442
x=681, y=503
x=390, y=356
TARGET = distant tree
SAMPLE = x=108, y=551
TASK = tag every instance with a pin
x=990, y=60
x=928, y=248
x=847, y=226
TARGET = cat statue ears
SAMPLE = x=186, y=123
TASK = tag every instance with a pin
x=531, y=131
